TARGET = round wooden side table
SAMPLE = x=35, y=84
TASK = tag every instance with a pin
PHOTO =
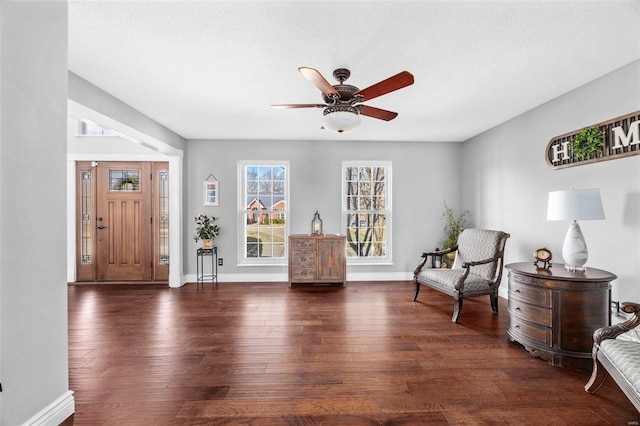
x=554, y=312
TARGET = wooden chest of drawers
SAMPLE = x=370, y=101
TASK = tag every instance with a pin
x=553, y=313
x=317, y=260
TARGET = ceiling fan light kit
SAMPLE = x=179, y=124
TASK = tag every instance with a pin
x=341, y=118
x=341, y=113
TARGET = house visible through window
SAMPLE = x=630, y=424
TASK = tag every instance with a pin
x=366, y=205
x=263, y=210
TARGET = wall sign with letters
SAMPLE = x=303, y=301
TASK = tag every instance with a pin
x=621, y=139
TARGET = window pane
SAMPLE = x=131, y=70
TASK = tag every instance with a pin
x=91, y=129
x=265, y=211
x=366, y=209
x=86, y=215
x=163, y=209
x=124, y=180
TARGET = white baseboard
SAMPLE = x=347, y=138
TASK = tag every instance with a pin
x=351, y=276
x=503, y=292
x=379, y=276
x=55, y=413
x=242, y=278
x=283, y=277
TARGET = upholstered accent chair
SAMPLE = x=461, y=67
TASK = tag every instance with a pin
x=616, y=353
x=476, y=271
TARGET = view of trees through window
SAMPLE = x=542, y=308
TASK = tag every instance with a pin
x=365, y=201
x=265, y=211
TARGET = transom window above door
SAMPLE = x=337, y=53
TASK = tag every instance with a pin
x=87, y=128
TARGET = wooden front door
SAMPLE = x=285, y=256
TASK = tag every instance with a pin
x=122, y=216
x=123, y=221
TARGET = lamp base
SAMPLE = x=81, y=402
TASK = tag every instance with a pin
x=574, y=249
x=571, y=268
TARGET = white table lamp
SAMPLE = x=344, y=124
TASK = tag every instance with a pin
x=574, y=205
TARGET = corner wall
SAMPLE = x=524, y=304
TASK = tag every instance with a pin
x=506, y=180
x=33, y=288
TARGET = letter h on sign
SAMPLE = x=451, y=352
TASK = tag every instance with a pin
x=557, y=152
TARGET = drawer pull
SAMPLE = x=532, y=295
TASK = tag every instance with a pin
x=304, y=273
x=303, y=259
x=517, y=326
x=517, y=308
x=517, y=291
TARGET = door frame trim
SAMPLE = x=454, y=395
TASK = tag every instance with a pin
x=164, y=152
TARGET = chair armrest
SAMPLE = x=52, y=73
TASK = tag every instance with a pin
x=426, y=255
x=441, y=252
x=480, y=262
x=613, y=331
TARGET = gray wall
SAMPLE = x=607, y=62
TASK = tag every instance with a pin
x=506, y=180
x=424, y=176
x=33, y=287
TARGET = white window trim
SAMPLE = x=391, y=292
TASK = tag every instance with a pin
x=241, y=210
x=388, y=258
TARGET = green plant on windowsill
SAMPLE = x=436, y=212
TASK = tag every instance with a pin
x=587, y=143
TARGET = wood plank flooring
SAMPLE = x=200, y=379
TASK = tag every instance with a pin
x=263, y=354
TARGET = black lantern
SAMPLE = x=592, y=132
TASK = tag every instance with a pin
x=436, y=261
x=316, y=224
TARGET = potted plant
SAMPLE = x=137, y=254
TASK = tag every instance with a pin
x=127, y=184
x=587, y=143
x=206, y=230
x=452, y=229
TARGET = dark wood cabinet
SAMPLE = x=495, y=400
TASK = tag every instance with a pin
x=317, y=260
x=553, y=312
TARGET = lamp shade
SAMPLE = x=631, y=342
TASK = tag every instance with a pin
x=341, y=118
x=575, y=204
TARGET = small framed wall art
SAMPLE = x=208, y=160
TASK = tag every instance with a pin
x=211, y=192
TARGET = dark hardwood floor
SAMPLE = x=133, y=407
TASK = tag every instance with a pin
x=263, y=354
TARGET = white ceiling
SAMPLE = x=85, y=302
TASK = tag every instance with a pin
x=211, y=69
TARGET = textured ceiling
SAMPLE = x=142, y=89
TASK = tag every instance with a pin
x=211, y=70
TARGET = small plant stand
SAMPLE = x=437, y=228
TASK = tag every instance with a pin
x=212, y=273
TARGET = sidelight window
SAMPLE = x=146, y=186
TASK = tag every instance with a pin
x=163, y=217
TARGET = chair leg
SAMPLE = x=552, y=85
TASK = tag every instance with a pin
x=598, y=376
x=457, y=307
x=415, y=295
x=494, y=302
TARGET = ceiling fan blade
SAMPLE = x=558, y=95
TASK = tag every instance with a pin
x=398, y=81
x=380, y=114
x=319, y=81
x=299, y=106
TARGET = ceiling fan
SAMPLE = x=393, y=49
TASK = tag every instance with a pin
x=342, y=107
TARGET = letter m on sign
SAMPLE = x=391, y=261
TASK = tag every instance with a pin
x=621, y=139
